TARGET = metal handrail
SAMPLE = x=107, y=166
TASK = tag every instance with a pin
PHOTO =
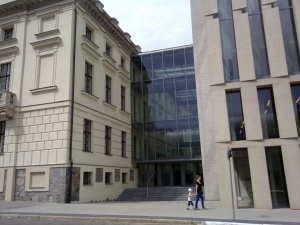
x=148, y=182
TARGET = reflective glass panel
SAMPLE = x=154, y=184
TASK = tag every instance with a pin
x=235, y=116
x=224, y=9
x=147, y=67
x=267, y=113
x=259, y=48
x=289, y=36
x=136, y=72
x=229, y=56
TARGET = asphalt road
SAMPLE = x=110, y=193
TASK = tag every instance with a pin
x=35, y=221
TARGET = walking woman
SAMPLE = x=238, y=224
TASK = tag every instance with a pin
x=199, y=193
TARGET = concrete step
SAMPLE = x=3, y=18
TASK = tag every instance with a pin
x=154, y=194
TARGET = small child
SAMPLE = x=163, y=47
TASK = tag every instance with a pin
x=190, y=202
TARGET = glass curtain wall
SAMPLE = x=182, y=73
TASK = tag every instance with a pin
x=267, y=113
x=164, y=105
x=258, y=41
x=229, y=56
x=235, y=116
x=289, y=36
x=295, y=89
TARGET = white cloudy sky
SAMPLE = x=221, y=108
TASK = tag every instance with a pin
x=153, y=24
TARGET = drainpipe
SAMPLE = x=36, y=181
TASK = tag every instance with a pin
x=69, y=191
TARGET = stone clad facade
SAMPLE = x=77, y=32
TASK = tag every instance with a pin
x=55, y=57
x=247, y=74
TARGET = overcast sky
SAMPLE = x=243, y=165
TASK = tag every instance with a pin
x=153, y=24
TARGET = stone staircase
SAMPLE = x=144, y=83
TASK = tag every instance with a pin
x=154, y=194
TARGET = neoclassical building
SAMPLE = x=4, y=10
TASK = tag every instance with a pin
x=65, y=102
x=247, y=69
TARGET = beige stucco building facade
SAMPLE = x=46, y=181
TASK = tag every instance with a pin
x=255, y=178
x=65, y=102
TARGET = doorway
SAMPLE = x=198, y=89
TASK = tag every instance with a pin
x=243, y=178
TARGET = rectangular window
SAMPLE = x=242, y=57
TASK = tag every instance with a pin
x=108, y=176
x=87, y=178
x=2, y=136
x=235, y=116
x=124, y=178
x=108, y=89
x=123, y=62
x=87, y=135
x=229, y=55
x=278, y=189
x=259, y=49
x=5, y=76
x=108, y=50
x=107, y=140
x=123, y=94
x=267, y=113
x=88, y=78
x=8, y=34
x=88, y=33
x=289, y=34
x=123, y=144
x=295, y=89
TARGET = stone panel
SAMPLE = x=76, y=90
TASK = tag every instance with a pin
x=284, y=109
x=243, y=46
x=274, y=39
x=259, y=177
x=214, y=51
x=291, y=159
x=2, y=194
x=57, y=187
x=251, y=113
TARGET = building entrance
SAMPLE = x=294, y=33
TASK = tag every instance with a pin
x=168, y=174
x=242, y=178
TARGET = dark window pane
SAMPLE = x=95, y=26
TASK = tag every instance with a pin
x=235, y=116
x=189, y=57
x=147, y=67
x=224, y=9
x=267, y=113
x=289, y=38
x=284, y=4
x=295, y=89
x=230, y=63
x=136, y=72
x=179, y=57
x=253, y=7
x=277, y=180
x=168, y=59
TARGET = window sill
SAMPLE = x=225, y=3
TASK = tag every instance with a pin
x=125, y=157
x=86, y=185
x=8, y=42
x=108, y=154
x=44, y=89
x=90, y=42
x=93, y=97
x=47, y=33
x=108, y=183
x=87, y=151
x=109, y=105
x=124, y=112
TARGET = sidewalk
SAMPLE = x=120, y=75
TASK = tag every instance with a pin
x=172, y=212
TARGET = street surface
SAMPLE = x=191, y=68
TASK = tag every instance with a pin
x=36, y=221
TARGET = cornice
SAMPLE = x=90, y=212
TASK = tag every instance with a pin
x=104, y=20
x=23, y=5
x=101, y=17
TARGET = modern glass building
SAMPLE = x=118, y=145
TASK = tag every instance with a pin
x=247, y=68
x=165, y=128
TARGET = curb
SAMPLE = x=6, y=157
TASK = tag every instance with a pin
x=100, y=219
